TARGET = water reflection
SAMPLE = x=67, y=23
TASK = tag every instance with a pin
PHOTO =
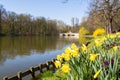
x=20, y=53
x=10, y=47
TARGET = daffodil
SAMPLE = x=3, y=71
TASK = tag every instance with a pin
x=57, y=64
x=111, y=36
x=74, y=53
x=59, y=57
x=65, y=68
x=96, y=74
x=93, y=57
x=66, y=56
x=67, y=50
x=98, y=32
x=98, y=43
x=118, y=34
x=115, y=48
x=84, y=48
x=74, y=47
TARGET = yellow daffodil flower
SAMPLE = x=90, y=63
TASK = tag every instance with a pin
x=59, y=57
x=84, y=48
x=65, y=68
x=66, y=56
x=74, y=53
x=98, y=43
x=93, y=57
x=67, y=50
x=96, y=74
x=118, y=34
x=74, y=47
x=115, y=48
x=98, y=32
x=111, y=36
x=57, y=64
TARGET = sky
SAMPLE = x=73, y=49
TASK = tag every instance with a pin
x=50, y=9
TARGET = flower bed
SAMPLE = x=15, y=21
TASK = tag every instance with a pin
x=99, y=60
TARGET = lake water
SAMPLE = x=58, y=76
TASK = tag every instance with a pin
x=20, y=53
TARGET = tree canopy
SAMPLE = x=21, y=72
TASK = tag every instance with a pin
x=26, y=24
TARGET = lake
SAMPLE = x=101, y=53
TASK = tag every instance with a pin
x=20, y=53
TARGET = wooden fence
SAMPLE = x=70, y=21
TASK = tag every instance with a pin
x=41, y=67
x=32, y=70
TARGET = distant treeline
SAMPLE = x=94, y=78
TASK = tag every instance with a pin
x=24, y=24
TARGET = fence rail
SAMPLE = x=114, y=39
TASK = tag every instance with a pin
x=32, y=71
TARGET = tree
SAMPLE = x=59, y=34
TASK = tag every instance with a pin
x=94, y=21
x=2, y=10
x=109, y=9
x=11, y=17
x=24, y=24
x=75, y=24
x=61, y=26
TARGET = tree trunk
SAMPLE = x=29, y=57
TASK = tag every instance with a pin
x=108, y=17
x=0, y=21
x=109, y=26
x=106, y=29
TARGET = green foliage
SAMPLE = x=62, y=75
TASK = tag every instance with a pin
x=49, y=75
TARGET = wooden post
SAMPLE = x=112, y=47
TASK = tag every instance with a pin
x=40, y=67
x=19, y=75
x=47, y=65
x=54, y=68
x=32, y=72
x=5, y=78
x=53, y=60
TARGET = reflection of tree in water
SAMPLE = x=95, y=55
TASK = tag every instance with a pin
x=13, y=46
x=0, y=51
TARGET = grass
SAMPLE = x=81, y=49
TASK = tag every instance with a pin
x=49, y=75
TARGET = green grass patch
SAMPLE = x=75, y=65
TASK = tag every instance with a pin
x=49, y=75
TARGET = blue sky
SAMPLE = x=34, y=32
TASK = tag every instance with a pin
x=50, y=9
